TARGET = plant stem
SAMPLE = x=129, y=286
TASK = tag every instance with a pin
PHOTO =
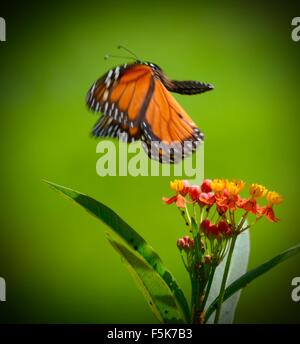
x=198, y=294
x=241, y=224
x=188, y=214
x=183, y=261
x=224, y=279
x=207, y=290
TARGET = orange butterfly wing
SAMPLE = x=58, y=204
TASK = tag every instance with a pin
x=170, y=127
x=120, y=96
x=136, y=105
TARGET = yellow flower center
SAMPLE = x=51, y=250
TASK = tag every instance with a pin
x=257, y=190
x=218, y=185
x=274, y=198
x=177, y=185
x=235, y=186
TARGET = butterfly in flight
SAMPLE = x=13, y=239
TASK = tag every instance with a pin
x=136, y=104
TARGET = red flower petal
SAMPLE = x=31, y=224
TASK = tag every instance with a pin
x=248, y=205
x=207, y=198
x=268, y=212
x=170, y=200
x=180, y=202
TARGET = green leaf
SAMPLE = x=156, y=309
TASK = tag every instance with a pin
x=252, y=275
x=238, y=267
x=130, y=244
x=153, y=287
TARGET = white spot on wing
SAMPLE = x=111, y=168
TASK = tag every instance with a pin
x=93, y=88
x=117, y=72
x=108, y=75
x=105, y=95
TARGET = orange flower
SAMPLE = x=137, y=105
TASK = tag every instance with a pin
x=180, y=186
x=227, y=194
x=248, y=205
x=178, y=199
x=227, y=201
x=207, y=198
x=272, y=198
x=268, y=212
x=235, y=186
x=218, y=185
x=257, y=190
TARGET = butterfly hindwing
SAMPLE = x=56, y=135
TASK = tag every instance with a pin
x=168, y=131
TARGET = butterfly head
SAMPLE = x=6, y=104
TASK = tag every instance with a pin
x=154, y=66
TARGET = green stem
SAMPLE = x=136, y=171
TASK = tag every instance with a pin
x=183, y=214
x=224, y=280
x=198, y=293
x=207, y=290
x=184, y=262
x=195, y=291
x=188, y=214
x=195, y=274
x=241, y=224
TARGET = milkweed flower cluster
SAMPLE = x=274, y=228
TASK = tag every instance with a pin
x=225, y=195
x=216, y=213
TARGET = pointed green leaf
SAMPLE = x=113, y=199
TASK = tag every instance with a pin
x=155, y=290
x=252, y=275
x=131, y=240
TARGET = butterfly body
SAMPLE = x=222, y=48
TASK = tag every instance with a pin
x=136, y=104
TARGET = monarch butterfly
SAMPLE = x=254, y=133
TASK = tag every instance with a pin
x=136, y=105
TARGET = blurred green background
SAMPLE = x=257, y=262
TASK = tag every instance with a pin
x=54, y=256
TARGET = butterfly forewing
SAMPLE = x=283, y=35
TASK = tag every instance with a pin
x=119, y=95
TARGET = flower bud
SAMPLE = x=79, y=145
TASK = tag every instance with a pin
x=185, y=243
x=186, y=239
x=205, y=186
x=180, y=244
x=228, y=232
x=194, y=192
x=207, y=259
x=223, y=226
x=205, y=225
x=214, y=230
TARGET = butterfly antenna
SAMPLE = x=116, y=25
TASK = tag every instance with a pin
x=129, y=51
x=107, y=56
